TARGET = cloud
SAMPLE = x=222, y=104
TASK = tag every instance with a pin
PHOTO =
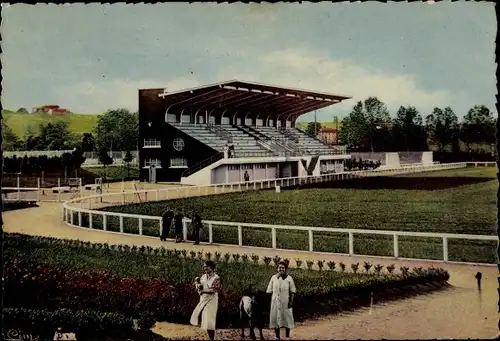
x=90, y=97
x=315, y=70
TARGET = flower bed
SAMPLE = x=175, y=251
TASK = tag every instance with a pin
x=52, y=274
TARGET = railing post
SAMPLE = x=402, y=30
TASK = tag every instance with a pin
x=140, y=226
x=121, y=224
x=184, y=230
x=38, y=191
x=58, y=189
x=240, y=235
x=90, y=221
x=396, y=246
x=351, y=243
x=310, y=240
x=210, y=233
x=80, y=219
x=71, y=217
x=18, y=188
x=104, y=222
x=445, y=249
x=123, y=198
x=273, y=237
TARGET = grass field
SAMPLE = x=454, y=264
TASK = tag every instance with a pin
x=464, y=203
x=78, y=123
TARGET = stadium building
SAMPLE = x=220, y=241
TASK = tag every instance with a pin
x=187, y=135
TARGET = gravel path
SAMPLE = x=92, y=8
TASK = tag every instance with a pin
x=459, y=312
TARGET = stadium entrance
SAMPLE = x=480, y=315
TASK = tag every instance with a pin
x=232, y=131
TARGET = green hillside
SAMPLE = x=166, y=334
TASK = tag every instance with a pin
x=19, y=122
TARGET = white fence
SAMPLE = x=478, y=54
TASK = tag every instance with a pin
x=74, y=212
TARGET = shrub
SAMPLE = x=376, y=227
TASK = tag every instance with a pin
x=378, y=269
x=276, y=260
x=367, y=266
x=236, y=257
x=227, y=256
x=310, y=264
x=331, y=265
x=355, y=267
x=404, y=270
x=321, y=264
x=342, y=266
x=217, y=256
x=146, y=321
x=418, y=270
x=193, y=254
x=244, y=258
x=208, y=255
x=267, y=260
x=255, y=259
x=298, y=262
x=184, y=253
x=390, y=268
x=200, y=255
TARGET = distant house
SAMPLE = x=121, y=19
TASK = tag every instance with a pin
x=50, y=109
x=328, y=135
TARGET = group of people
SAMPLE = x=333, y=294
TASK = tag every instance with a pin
x=281, y=287
x=174, y=219
x=229, y=150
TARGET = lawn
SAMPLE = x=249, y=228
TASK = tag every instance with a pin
x=465, y=204
x=44, y=275
x=78, y=123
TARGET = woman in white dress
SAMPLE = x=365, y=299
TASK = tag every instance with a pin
x=207, y=287
x=282, y=288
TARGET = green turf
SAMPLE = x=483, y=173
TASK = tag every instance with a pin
x=19, y=123
x=469, y=209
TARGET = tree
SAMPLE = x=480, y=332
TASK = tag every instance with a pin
x=117, y=130
x=442, y=127
x=10, y=141
x=55, y=136
x=104, y=159
x=478, y=126
x=22, y=110
x=312, y=129
x=66, y=163
x=77, y=159
x=88, y=143
x=408, y=130
x=128, y=159
x=367, y=126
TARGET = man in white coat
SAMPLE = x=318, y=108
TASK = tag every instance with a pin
x=282, y=288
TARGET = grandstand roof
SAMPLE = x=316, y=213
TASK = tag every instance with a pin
x=248, y=99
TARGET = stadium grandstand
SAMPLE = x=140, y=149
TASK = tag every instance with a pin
x=232, y=131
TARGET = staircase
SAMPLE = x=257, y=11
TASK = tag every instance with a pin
x=202, y=164
x=312, y=165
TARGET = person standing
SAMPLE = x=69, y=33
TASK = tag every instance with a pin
x=226, y=151
x=208, y=287
x=246, y=176
x=178, y=226
x=166, y=220
x=196, y=221
x=282, y=288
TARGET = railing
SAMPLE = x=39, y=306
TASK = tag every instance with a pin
x=202, y=164
x=75, y=216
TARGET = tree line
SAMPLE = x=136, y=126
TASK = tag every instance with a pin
x=370, y=127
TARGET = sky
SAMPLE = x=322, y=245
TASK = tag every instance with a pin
x=91, y=58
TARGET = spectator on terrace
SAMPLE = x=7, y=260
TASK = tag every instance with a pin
x=246, y=176
x=207, y=287
x=282, y=288
x=231, y=149
x=178, y=226
x=226, y=151
x=167, y=217
x=197, y=225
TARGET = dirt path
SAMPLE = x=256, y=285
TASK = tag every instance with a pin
x=460, y=312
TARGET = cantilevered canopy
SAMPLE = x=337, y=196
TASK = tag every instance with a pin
x=247, y=100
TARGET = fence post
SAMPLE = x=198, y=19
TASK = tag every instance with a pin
x=240, y=235
x=104, y=222
x=90, y=220
x=210, y=233
x=310, y=240
x=38, y=189
x=396, y=246
x=445, y=249
x=121, y=224
x=18, y=188
x=80, y=219
x=58, y=189
x=273, y=235
x=71, y=217
x=140, y=226
x=351, y=243
x=123, y=198
x=184, y=230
